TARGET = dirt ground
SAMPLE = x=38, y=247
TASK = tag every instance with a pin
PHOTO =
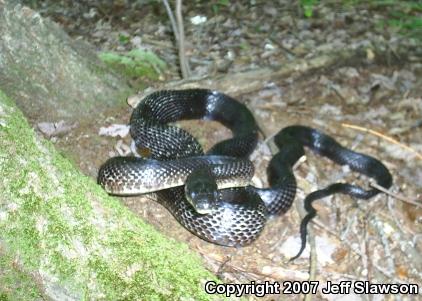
x=376, y=240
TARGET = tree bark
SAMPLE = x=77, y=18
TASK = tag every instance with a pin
x=49, y=75
x=63, y=238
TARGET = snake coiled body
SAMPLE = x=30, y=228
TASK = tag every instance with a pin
x=240, y=213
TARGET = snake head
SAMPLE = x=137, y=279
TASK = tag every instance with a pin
x=201, y=190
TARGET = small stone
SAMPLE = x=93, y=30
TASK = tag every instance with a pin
x=198, y=20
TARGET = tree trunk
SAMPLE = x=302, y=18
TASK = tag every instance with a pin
x=49, y=75
x=63, y=238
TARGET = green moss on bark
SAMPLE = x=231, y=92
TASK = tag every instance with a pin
x=15, y=284
x=78, y=242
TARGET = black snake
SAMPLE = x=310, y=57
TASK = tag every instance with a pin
x=229, y=216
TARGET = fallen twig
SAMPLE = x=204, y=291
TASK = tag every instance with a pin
x=385, y=137
x=364, y=248
x=395, y=195
x=184, y=64
x=273, y=272
x=358, y=252
x=240, y=83
x=179, y=34
x=389, y=257
x=172, y=20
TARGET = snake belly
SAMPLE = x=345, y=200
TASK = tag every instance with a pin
x=242, y=211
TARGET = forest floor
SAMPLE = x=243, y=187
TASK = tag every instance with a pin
x=379, y=240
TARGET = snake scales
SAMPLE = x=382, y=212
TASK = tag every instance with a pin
x=186, y=179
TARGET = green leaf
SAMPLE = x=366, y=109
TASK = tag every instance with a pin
x=308, y=11
x=135, y=63
x=124, y=39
